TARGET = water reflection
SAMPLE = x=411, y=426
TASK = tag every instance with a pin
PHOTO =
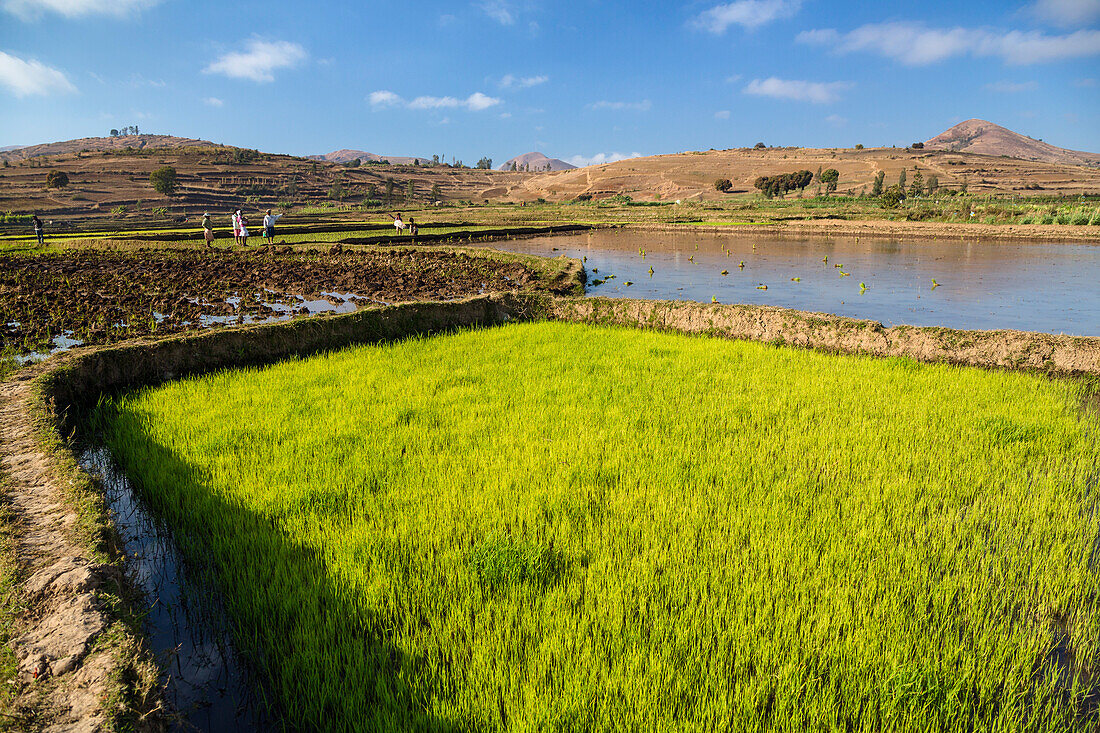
x=1029, y=286
x=206, y=684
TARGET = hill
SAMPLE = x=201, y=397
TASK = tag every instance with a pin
x=343, y=156
x=103, y=145
x=980, y=136
x=536, y=162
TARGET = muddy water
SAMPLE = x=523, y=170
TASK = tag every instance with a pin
x=206, y=685
x=1027, y=286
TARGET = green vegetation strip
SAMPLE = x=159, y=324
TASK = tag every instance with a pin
x=546, y=526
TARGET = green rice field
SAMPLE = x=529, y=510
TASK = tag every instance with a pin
x=564, y=527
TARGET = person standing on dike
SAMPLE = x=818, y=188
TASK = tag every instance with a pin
x=207, y=229
x=269, y=226
x=37, y=229
x=236, y=219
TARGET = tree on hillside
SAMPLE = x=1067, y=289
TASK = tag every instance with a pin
x=485, y=164
x=893, y=196
x=57, y=179
x=859, y=146
x=164, y=180
x=435, y=160
x=389, y=191
x=114, y=133
x=916, y=188
x=372, y=192
x=830, y=177
x=353, y=163
x=817, y=176
x=876, y=188
x=917, y=146
x=901, y=180
x=437, y=195
x=759, y=146
x=724, y=185
x=514, y=167
x=933, y=184
x=410, y=191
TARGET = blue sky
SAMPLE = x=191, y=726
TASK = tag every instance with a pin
x=583, y=81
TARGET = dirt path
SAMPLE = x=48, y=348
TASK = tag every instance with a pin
x=911, y=229
x=67, y=664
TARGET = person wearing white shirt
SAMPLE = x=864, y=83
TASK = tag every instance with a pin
x=269, y=226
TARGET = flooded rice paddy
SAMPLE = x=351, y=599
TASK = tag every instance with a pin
x=1054, y=288
x=204, y=681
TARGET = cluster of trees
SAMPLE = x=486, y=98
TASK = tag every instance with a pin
x=485, y=164
x=131, y=130
x=773, y=186
x=903, y=189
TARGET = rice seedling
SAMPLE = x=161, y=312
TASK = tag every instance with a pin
x=557, y=526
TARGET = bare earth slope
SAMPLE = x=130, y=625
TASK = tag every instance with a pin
x=980, y=136
x=103, y=145
x=343, y=156
x=691, y=175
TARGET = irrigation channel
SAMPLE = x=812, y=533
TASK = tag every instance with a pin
x=205, y=682
x=1026, y=286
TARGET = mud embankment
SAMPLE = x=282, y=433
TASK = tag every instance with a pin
x=834, y=226
x=1056, y=355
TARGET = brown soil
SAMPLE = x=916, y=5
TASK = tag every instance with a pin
x=1058, y=355
x=69, y=670
x=104, y=296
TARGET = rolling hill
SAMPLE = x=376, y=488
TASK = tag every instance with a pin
x=103, y=145
x=986, y=138
x=536, y=162
x=343, y=156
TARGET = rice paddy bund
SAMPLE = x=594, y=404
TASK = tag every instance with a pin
x=556, y=526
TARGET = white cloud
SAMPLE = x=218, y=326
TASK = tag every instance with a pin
x=385, y=98
x=915, y=44
x=641, y=106
x=746, y=13
x=1085, y=83
x=34, y=9
x=25, y=78
x=499, y=10
x=526, y=82
x=799, y=91
x=1012, y=87
x=837, y=120
x=259, y=60
x=213, y=102
x=1067, y=13
x=723, y=114
x=600, y=158
x=476, y=102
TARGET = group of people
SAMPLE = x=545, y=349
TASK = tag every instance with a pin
x=240, y=228
x=401, y=226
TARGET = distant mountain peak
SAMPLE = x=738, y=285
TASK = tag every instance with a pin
x=536, y=162
x=988, y=138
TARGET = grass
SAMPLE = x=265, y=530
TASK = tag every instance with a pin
x=556, y=526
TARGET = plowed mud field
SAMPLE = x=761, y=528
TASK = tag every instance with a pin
x=53, y=301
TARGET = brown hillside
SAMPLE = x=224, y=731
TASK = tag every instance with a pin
x=537, y=162
x=692, y=175
x=102, y=145
x=986, y=138
x=343, y=156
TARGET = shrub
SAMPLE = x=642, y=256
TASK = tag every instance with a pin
x=724, y=185
x=859, y=146
x=164, y=180
x=893, y=196
x=57, y=179
x=759, y=146
x=1081, y=218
